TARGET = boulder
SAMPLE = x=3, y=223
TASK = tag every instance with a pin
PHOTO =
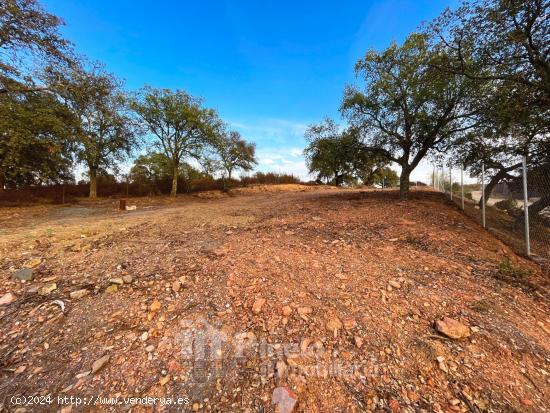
x=452, y=328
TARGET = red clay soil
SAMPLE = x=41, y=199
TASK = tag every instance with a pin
x=331, y=295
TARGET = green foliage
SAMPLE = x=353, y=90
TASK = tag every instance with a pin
x=232, y=153
x=340, y=157
x=327, y=154
x=507, y=270
x=105, y=132
x=153, y=172
x=383, y=176
x=181, y=126
x=506, y=205
x=264, y=178
x=34, y=148
x=29, y=36
x=103, y=177
x=150, y=168
x=503, y=47
x=505, y=42
x=408, y=107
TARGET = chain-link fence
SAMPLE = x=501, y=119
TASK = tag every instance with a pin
x=499, y=203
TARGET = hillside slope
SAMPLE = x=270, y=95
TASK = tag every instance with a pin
x=330, y=296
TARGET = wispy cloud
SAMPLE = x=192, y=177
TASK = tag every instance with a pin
x=279, y=144
x=284, y=160
x=270, y=130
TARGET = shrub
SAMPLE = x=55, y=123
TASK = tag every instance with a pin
x=508, y=270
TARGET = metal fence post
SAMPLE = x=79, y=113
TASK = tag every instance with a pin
x=526, y=208
x=462, y=186
x=451, y=181
x=483, y=194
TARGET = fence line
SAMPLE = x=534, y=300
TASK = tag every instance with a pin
x=526, y=206
x=507, y=213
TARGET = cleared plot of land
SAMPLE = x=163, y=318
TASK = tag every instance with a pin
x=332, y=294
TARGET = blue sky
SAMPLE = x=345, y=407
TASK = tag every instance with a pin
x=270, y=68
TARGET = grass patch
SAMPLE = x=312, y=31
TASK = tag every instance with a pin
x=508, y=270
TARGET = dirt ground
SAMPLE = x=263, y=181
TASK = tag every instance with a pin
x=212, y=303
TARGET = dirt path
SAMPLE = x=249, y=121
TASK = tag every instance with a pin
x=330, y=294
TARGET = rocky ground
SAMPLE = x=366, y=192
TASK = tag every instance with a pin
x=303, y=301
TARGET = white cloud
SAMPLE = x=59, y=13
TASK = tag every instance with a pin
x=270, y=131
x=279, y=144
x=296, y=152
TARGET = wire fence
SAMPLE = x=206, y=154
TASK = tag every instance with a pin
x=516, y=207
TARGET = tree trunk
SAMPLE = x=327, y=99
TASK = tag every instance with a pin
x=93, y=182
x=534, y=210
x=404, y=182
x=227, y=181
x=538, y=206
x=174, y=190
x=501, y=174
x=338, y=179
x=224, y=182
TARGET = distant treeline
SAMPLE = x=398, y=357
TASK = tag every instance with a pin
x=108, y=186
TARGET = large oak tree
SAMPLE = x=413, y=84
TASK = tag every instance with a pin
x=106, y=131
x=407, y=107
x=503, y=46
x=179, y=123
